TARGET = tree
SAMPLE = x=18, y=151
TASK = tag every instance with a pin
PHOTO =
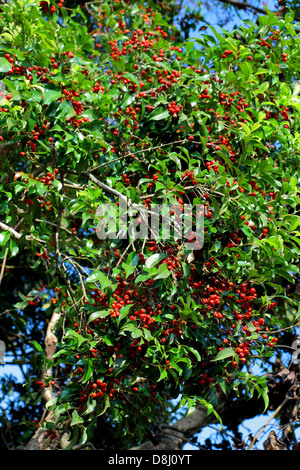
x=112, y=107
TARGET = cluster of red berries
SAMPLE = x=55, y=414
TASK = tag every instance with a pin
x=49, y=177
x=42, y=255
x=45, y=7
x=226, y=53
x=174, y=109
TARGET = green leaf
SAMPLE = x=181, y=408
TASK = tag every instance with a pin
x=294, y=222
x=106, y=404
x=124, y=312
x=84, y=435
x=224, y=354
x=273, y=240
x=159, y=113
x=66, y=110
x=4, y=237
x=262, y=392
x=163, y=272
x=246, y=70
x=51, y=95
x=233, y=43
x=95, y=315
x=61, y=352
x=14, y=247
x=286, y=275
x=37, y=346
x=133, y=259
x=128, y=99
x=262, y=88
x=99, y=277
x=191, y=406
x=265, y=396
x=88, y=372
x=216, y=207
x=154, y=259
x=128, y=269
x=5, y=66
x=193, y=351
x=160, y=21
x=80, y=339
x=135, y=332
x=74, y=438
x=163, y=374
x=21, y=305
x=76, y=419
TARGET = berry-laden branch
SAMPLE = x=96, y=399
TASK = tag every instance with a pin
x=113, y=191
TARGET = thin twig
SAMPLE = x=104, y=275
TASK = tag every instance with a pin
x=138, y=151
x=80, y=277
x=68, y=285
x=122, y=257
x=255, y=438
x=3, y=268
x=54, y=225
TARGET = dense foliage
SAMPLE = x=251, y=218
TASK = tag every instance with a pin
x=108, y=100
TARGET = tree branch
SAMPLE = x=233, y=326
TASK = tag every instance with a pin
x=247, y=6
x=18, y=235
x=180, y=431
x=50, y=346
x=7, y=147
x=232, y=413
x=254, y=440
x=244, y=6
